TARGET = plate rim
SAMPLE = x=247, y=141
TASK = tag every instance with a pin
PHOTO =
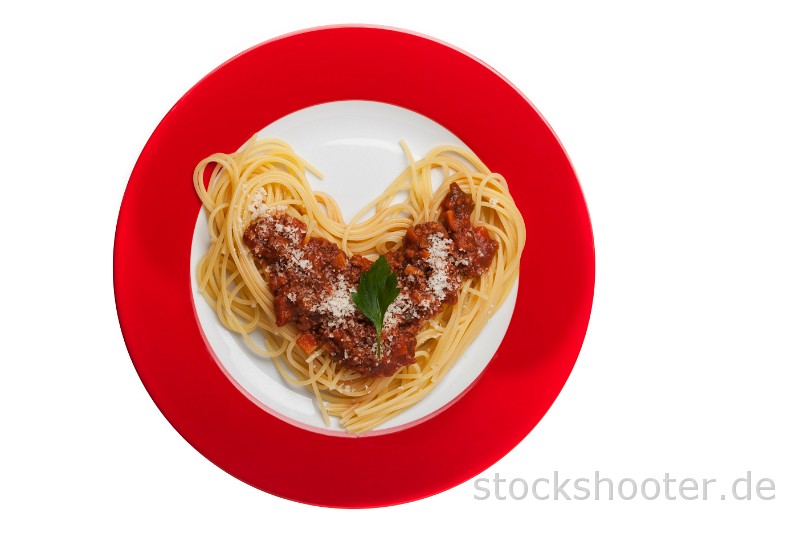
x=161, y=375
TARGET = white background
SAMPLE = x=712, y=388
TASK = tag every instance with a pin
x=683, y=124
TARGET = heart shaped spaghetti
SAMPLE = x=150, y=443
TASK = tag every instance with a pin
x=265, y=177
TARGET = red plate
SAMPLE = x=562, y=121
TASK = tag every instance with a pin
x=154, y=293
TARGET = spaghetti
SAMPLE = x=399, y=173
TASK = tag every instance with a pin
x=267, y=175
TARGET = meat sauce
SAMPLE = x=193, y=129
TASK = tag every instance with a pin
x=312, y=282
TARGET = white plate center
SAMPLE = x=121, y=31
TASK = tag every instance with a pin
x=356, y=145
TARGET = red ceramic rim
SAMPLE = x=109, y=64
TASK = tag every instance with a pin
x=154, y=293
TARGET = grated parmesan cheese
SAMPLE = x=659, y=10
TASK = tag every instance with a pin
x=298, y=258
x=258, y=207
x=339, y=304
x=289, y=232
x=399, y=307
x=438, y=260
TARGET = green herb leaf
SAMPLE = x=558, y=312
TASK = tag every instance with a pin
x=377, y=289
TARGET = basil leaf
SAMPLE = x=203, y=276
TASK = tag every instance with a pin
x=376, y=291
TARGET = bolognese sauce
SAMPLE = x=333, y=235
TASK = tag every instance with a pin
x=312, y=279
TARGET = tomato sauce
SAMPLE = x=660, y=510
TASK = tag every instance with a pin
x=312, y=280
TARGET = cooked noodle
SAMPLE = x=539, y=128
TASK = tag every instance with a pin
x=268, y=172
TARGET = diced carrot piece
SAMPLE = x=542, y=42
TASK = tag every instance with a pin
x=450, y=220
x=339, y=261
x=411, y=236
x=362, y=262
x=284, y=311
x=483, y=232
x=411, y=270
x=308, y=342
